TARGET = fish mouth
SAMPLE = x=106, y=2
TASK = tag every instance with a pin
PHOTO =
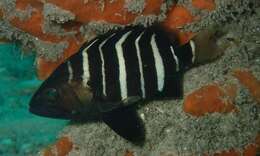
x=45, y=109
x=50, y=113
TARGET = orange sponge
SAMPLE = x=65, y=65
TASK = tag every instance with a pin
x=177, y=17
x=204, y=4
x=45, y=67
x=114, y=12
x=250, y=150
x=62, y=147
x=209, y=99
x=247, y=79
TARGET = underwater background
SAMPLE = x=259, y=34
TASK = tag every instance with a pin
x=21, y=133
x=219, y=114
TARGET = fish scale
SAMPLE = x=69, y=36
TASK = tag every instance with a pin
x=113, y=72
x=150, y=39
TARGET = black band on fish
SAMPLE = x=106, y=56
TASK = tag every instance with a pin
x=113, y=72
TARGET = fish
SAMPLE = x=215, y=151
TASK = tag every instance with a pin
x=115, y=72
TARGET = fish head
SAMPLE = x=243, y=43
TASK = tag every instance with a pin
x=59, y=98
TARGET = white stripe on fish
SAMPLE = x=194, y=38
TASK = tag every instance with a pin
x=140, y=64
x=122, y=68
x=103, y=64
x=85, y=64
x=158, y=64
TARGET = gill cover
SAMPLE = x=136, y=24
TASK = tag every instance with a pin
x=55, y=98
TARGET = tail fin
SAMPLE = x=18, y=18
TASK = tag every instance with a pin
x=206, y=45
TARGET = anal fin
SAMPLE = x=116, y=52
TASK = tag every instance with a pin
x=126, y=123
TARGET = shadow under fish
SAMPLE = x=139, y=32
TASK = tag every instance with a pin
x=114, y=72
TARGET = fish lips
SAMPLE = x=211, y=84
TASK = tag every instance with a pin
x=42, y=107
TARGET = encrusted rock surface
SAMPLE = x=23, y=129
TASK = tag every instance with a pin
x=46, y=23
x=169, y=129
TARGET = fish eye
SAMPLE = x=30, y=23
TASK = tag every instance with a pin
x=51, y=93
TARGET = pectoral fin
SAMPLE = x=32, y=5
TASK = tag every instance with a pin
x=130, y=100
x=109, y=106
x=126, y=123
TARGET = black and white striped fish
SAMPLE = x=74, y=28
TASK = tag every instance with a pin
x=114, y=71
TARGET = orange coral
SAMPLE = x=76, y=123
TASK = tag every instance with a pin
x=48, y=152
x=33, y=25
x=250, y=150
x=216, y=98
x=45, y=67
x=204, y=4
x=92, y=11
x=258, y=142
x=112, y=12
x=177, y=17
x=62, y=147
x=209, y=99
x=129, y=153
x=228, y=153
x=1, y=13
x=247, y=79
x=22, y=4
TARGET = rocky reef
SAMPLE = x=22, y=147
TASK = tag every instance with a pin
x=220, y=113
